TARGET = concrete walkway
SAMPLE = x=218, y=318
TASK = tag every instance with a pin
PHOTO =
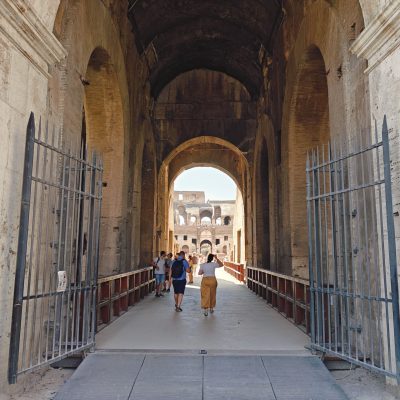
x=125, y=376
x=241, y=322
x=244, y=351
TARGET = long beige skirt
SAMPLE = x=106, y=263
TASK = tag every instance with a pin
x=208, y=292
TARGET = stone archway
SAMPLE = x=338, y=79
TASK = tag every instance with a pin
x=200, y=152
x=104, y=128
x=308, y=128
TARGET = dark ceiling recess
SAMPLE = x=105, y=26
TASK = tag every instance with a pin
x=221, y=35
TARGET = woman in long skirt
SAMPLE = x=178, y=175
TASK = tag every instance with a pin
x=209, y=283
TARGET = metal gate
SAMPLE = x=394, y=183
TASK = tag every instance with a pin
x=56, y=274
x=352, y=254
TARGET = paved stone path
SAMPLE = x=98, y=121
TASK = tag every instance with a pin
x=127, y=376
x=250, y=352
x=241, y=322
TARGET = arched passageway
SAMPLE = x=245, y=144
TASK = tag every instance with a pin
x=308, y=128
x=158, y=87
x=103, y=129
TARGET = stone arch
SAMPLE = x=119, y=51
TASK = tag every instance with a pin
x=104, y=127
x=321, y=49
x=94, y=52
x=308, y=128
x=230, y=161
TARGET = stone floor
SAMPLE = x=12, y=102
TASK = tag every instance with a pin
x=245, y=350
x=241, y=322
x=126, y=376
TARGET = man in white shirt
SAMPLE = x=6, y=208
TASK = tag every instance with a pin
x=159, y=272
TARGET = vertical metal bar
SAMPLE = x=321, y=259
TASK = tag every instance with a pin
x=345, y=245
x=378, y=288
x=310, y=249
x=321, y=246
x=65, y=245
x=57, y=305
x=53, y=239
x=391, y=246
x=96, y=266
x=368, y=263
x=327, y=260
x=384, y=269
x=39, y=245
x=88, y=293
x=26, y=353
x=46, y=244
x=71, y=271
x=332, y=168
x=78, y=246
x=317, y=244
x=21, y=253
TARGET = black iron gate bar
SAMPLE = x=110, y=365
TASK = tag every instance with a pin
x=56, y=280
x=348, y=255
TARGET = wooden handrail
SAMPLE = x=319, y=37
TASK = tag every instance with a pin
x=287, y=294
x=117, y=293
x=235, y=269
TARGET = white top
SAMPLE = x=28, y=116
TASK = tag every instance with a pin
x=209, y=268
x=160, y=262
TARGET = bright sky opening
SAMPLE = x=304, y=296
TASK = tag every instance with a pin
x=216, y=184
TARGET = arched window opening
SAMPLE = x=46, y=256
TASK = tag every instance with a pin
x=227, y=220
x=206, y=221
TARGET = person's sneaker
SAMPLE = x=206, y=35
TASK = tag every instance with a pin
x=168, y=290
x=160, y=295
x=205, y=313
x=180, y=309
x=177, y=309
x=157, y=295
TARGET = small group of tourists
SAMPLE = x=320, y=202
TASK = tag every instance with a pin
x=175, y=270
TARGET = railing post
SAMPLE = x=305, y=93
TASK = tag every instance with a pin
x=21, y=252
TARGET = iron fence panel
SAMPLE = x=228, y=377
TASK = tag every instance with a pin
x=54, y=306
x=352, y=253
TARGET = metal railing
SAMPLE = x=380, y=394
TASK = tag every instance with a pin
x=236, y=270
x=290, y=296
x=117, y=293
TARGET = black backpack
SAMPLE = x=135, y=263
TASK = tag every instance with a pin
x=177, y=269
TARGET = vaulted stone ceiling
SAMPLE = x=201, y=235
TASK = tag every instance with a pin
x=221, y=35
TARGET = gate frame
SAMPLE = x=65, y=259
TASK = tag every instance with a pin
x=313, y=167
x=21, y=261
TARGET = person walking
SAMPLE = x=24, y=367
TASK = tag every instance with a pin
x=159, y=272
x=178, y=275
x=195, y=261
x=190, y=273
x=209, y=283
x=168, y=264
